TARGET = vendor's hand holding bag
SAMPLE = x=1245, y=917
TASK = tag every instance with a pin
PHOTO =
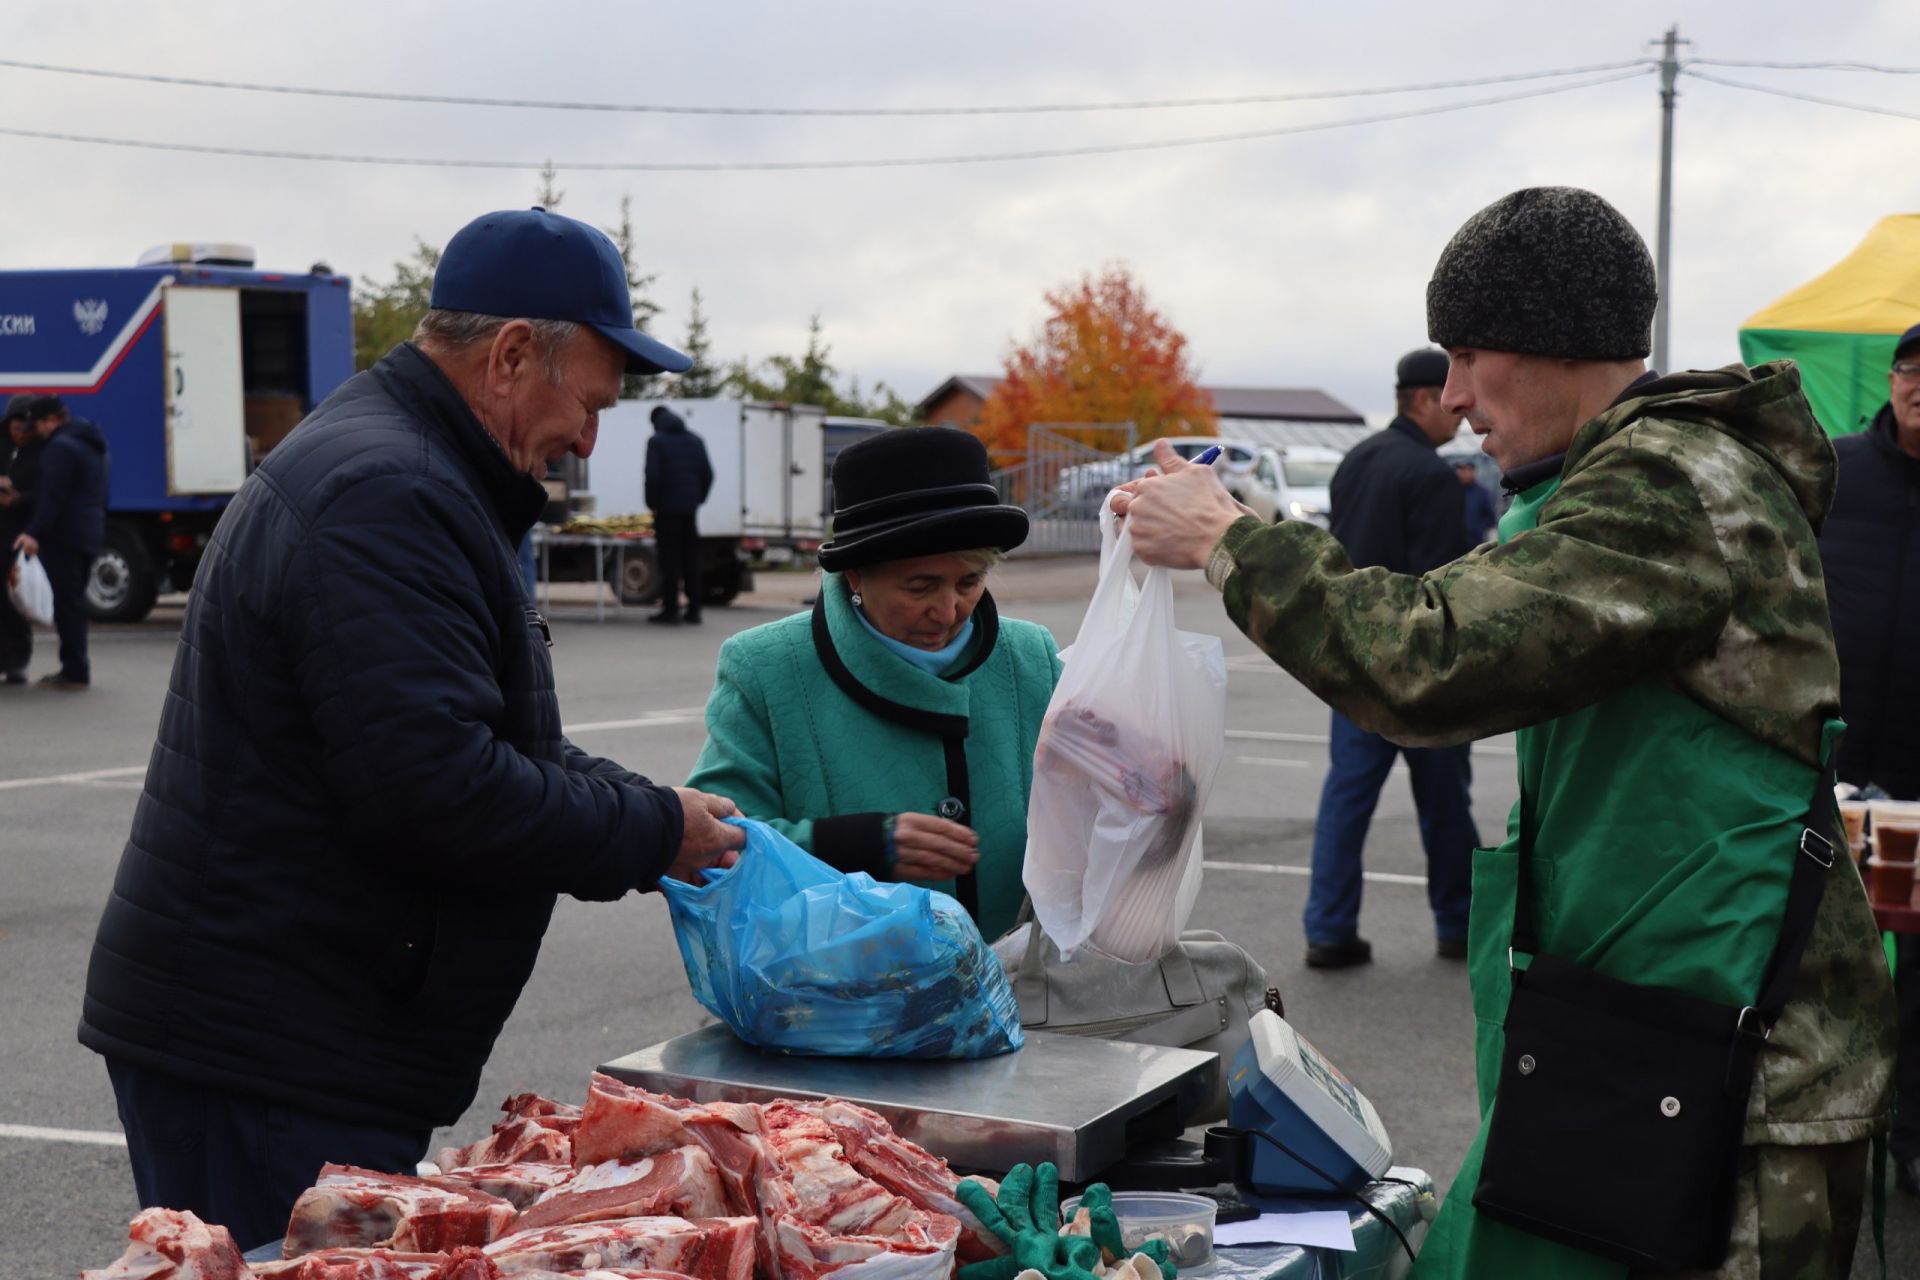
x=1127, y=753
x=1618, y=1117
x=30, y=589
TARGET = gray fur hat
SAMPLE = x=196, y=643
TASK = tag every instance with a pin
x=1550, y=271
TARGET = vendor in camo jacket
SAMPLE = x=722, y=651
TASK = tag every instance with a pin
x=891, y=730
x=1653, y=623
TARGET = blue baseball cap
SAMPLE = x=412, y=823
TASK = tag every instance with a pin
x=528, y=263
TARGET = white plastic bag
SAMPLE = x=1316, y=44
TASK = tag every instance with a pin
x=1126, y=759
x=30, y=590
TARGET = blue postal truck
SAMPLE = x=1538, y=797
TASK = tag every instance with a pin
x=195, y=365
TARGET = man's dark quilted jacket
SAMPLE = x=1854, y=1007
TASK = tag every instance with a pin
x=360, y=806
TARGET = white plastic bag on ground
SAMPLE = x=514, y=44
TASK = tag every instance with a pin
x=1126, y=759
x=30, y=590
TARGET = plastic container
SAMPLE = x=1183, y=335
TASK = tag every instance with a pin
x=1185, y=1222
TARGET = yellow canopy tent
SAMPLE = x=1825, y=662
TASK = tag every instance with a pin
x=1840, y=326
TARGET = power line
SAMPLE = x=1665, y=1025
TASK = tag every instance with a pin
x=1772, y=91
x=1805, y=66
x=1154, y=104
x=897, y=162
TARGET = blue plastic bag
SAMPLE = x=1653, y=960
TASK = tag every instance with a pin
x=797, y=957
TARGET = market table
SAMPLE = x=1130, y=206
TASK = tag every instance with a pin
x=1377, y=1254
x=1894, y=919
x=602, y=545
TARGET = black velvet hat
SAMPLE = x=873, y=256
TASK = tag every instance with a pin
x=916, y=491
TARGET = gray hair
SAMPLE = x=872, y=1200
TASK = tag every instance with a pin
x=459, y=330
x=983, y=558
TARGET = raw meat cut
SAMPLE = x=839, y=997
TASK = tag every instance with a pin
x=533, y=1129
x=624, y=1122
x=376, y=1264
x=706, y=1248
x=351, y=1207
x=832, y=1193
x=518, y=1184
x=908, y=1170
x=170, y=1244
x=682, y=1183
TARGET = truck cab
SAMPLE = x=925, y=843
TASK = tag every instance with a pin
x=194, y=365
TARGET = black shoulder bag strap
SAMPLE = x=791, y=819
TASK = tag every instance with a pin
x=1816, y=853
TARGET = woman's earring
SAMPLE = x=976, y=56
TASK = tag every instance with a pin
x=856, y=600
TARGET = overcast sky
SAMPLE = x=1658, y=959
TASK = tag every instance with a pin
x=1293, y=261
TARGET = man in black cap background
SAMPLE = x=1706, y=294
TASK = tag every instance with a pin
x=1871, y=549
x=678, y=479
x=1395, y=503
x=68, y=523
x=361, y=805
x=19, y=464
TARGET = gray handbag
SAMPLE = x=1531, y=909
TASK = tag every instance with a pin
x=1199, y=995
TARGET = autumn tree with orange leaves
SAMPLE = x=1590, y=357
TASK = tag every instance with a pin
x=1103, y=355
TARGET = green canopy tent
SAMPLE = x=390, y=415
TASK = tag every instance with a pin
x=1840, y=326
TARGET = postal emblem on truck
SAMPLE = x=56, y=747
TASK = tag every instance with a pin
x=90, y=314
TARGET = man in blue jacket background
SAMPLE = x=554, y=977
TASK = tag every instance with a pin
x=361, y=806
x=679, y=477
x=68, y=523
x=1395, y=504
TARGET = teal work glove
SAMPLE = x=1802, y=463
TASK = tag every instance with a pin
x=1027, y=1218
x=1097, y=1201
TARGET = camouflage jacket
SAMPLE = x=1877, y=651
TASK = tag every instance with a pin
x=1679, y=549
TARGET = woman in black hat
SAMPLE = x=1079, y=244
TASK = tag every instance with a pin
x=892, y=730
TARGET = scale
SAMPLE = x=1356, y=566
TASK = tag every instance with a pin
x=1083, y=1104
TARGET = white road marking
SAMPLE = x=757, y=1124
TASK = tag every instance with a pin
x=1281, y=869
x=101, y=777
x=56, y=779
x=1275, y=761
x=1262, y=735
x=38, y=1133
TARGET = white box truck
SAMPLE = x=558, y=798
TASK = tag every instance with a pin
x=767, y=499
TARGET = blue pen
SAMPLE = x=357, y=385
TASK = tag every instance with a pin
x=1207, y=456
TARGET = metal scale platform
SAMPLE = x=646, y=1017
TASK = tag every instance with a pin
x=1080, y=1103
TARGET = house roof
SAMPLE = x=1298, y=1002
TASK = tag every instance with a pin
x=1272, y=404
x=1283, y=404
x=979, y=384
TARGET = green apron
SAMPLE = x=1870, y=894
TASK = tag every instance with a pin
x=1662, y=839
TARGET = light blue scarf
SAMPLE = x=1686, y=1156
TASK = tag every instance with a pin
x=932, y=661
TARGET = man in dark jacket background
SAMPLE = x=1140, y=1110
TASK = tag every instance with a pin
x=19, y=461
x=65, y=530
x=361, y=806
x=679, y=477
x=1396, y=504
x=1870, y=547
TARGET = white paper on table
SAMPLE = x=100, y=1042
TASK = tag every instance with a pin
x=1315, y=1229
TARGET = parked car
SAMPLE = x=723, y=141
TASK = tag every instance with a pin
x=1291, y=483
x=1088, y=482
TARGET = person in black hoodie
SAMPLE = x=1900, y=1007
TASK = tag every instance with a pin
x=19, y=461
x=1870, y=547
x=68, y=523
x=678, y=480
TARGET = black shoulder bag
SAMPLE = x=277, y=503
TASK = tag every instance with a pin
x=1618, y=1118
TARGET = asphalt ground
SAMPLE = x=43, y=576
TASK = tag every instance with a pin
x=609, y=979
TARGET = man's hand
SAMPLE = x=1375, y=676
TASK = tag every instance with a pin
x=705, y=841
x=28, y=543
x=930, y=848
x=1177, y=517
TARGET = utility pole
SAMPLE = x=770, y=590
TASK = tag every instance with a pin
x=1663, y=250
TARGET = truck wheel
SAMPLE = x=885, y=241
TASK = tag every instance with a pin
x=124, y=582
x=639, y=576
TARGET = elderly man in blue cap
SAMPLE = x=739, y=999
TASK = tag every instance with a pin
x=360, y=806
